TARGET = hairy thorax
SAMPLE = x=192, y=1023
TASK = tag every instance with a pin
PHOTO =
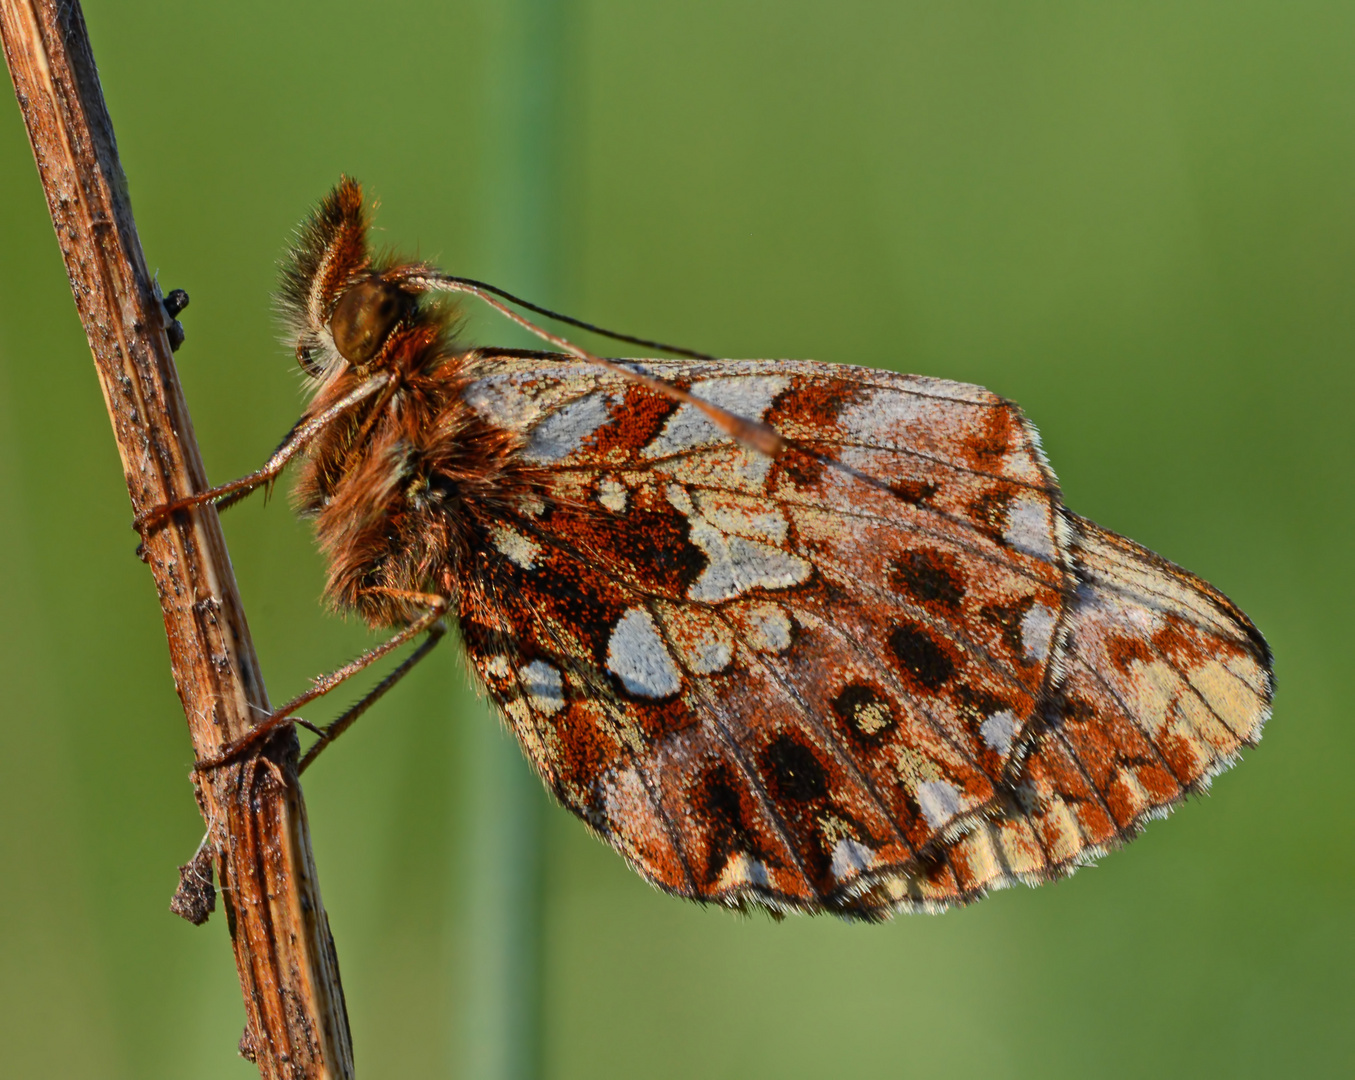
x=398, y=489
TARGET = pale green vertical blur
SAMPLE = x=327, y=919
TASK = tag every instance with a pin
x=519, y=197
x=1135, y=219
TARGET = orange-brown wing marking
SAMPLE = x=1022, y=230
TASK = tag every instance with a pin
x=564, y=711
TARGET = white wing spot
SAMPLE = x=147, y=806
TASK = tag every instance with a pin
x=612, y=494
x=707, y=656
x=769, y=628
x=878, y=418
x=564, y=431
x=752, y=518
x=746, y=396
x=735, y=564
x=850, y=857
x=998, y=731
x=497, y=666
x=1029, y=528
x=741, y=871
x=500, y=400
x=1037, y=630
x=699, y=640
x=531, y=505
x=517, y=547
x=939, y=801
x=710, y=657
x=543, y=686
x=638, y=657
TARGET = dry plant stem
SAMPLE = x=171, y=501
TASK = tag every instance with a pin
x=297, y=1024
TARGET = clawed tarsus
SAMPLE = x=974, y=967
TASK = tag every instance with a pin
x=430, y=622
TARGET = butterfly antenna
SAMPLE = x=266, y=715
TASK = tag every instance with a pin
x=749, y=432
x=676, y=350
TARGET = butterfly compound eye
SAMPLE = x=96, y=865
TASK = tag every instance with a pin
x=364, y=316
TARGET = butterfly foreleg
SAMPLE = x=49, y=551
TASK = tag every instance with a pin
x=436, y=607
x=296, y=441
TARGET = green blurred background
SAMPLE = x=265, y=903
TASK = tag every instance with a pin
x=1135, y=219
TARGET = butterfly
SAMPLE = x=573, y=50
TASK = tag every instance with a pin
x=790, y=635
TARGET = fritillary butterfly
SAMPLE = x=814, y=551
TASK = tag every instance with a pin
x=804, y=636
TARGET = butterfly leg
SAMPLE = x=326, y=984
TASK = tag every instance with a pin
x=436, y=608
x=333, y=730
x=297, y=440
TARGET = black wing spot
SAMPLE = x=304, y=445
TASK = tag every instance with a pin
x=989, y=512
x=866, y=712
x=913, y=492
x=930, y=576
x=794, y=770
x=921, y=656
x=720, y=810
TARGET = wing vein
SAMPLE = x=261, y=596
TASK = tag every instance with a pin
x=826, y=733
x=563, y=651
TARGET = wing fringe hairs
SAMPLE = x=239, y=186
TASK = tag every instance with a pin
x=1165, y=682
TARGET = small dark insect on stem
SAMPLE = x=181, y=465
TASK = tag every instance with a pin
x=297, y=1026
x=175, y=302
